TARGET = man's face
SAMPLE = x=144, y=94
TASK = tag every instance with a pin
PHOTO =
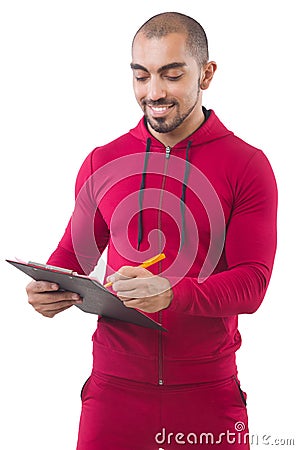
x=166, y=82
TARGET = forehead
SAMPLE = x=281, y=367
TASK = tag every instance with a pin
x=156, y=52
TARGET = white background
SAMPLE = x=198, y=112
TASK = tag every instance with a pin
x=66, y=88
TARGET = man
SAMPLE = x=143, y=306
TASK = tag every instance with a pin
x=181, y=183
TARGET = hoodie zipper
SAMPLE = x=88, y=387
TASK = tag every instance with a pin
x=160, y=336
x=168, y=151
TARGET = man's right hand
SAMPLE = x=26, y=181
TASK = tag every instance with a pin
x=46, y=298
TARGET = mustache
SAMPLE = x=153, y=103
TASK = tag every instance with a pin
x=159, y=102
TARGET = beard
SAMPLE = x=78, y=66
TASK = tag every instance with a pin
x=162, y=124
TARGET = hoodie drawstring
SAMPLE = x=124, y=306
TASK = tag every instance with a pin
x=141, y=194
x=182, y=198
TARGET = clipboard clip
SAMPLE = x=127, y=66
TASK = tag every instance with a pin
x=49, y=267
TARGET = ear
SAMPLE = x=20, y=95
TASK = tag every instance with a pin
x=207, y=73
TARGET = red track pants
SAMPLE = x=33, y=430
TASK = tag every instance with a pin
x=123, y=415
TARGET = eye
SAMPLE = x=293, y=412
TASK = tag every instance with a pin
x=173, y=78
x=141, y=75
x=141, y=79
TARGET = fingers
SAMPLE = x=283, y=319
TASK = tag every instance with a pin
x=141, y=287
x=51, y=313
x=127, y=285
x=146, y=305
x=134, y=272
x=136, y=303
x=129, y=272
x=41, y=286
x=149, y=294
x=46, y=298
x=135, y=287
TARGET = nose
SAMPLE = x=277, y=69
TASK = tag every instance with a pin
x=156, y=89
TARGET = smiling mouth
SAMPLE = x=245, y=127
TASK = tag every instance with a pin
x=160, y=110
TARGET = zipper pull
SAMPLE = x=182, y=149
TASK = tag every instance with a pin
x=168, y=151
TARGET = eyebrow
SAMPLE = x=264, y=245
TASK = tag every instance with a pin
x=173, y=65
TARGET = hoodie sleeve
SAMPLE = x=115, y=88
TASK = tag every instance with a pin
x=86, y=234
x=249, y=251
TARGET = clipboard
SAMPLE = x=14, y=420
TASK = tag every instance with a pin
x=96, y=298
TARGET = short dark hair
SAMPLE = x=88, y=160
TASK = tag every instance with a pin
x=173, y=22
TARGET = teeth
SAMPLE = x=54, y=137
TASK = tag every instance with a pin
x=159, y=109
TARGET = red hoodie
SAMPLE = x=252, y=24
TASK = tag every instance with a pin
x=209, y=203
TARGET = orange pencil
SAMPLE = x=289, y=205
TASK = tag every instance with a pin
x=149, y=262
